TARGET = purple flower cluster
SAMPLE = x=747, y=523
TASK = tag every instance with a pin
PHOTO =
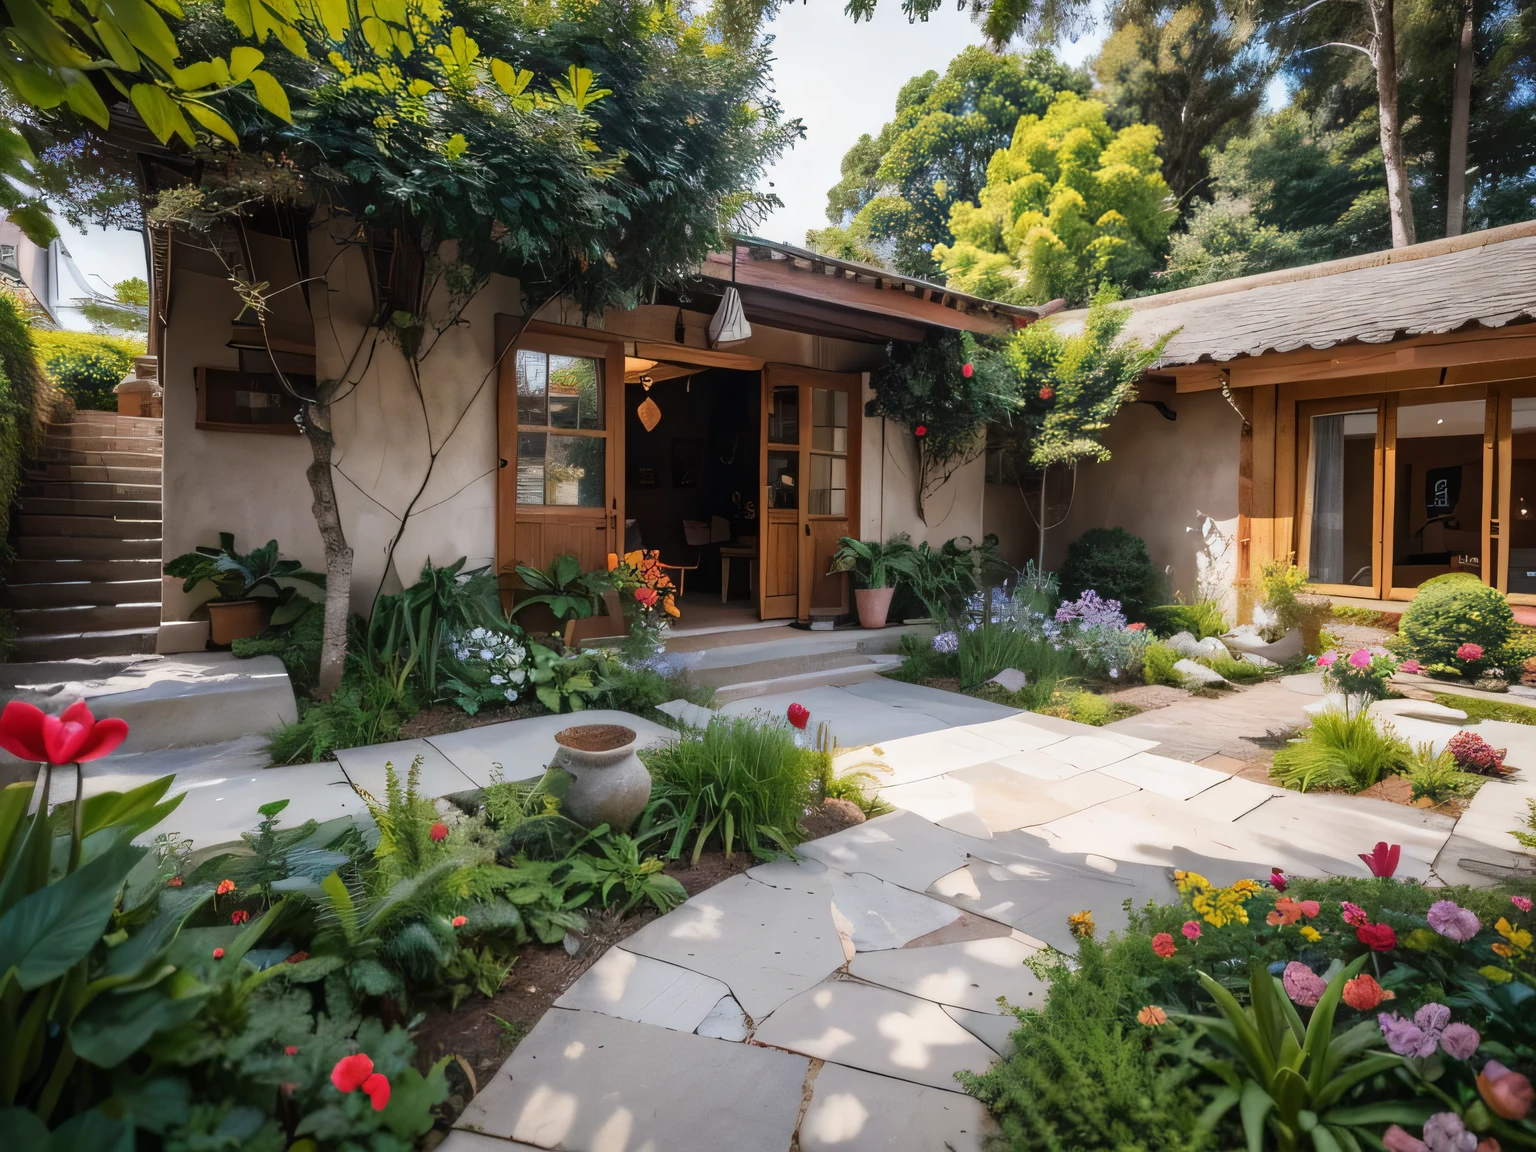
x=1453, y=921
x=946, y=643
x=1429, y=1029
x=1090, y=611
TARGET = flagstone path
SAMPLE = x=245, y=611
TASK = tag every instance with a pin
x=828, y=1002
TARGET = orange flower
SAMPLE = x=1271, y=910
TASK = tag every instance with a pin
x=1286, y=912
x=671, y=608
x=1162, y=944
x=613, y=561
x=1152, y=1016
x=225, y=887
x=1363, y=993
x=1507, y=1094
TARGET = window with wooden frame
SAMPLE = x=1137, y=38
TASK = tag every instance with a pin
x=229, y=400
x=562, y=438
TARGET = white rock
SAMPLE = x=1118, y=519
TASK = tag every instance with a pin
x=1184, y=643
x=1011, y=679
x=1193, y=673
x=1288, y=647
x=1257, y=661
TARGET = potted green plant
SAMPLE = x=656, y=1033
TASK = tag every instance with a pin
x=250, y=590
x=878, y=567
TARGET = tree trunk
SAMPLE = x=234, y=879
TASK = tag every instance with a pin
x=338, y=554
x=1384, y=52
x=1461, y=113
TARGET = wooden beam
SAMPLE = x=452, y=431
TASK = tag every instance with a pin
x=1196, y=377
x=1447, y=350
x=701, y=357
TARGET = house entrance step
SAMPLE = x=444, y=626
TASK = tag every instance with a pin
x=169, y=701
x=68, y=488
x=103, y=527
x=63, y=593
x=855, y=670
x=115, y=508
x=41, y=472
x=721, y=661
x=64, y=645
x=66, y=571
x=56, y=457
x=86, y=618
x=89, y=547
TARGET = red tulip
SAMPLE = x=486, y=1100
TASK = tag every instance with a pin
x=297, y=958
x=351, y=1071
x=239, y=916
x=1377, y=937
x=799, y=715
x=377, y=1088
x=438, y=831
x=218, y=953
x=29, y=733
x=1047, y=393
x=459, y=921
x=920, y=430
x=175, y=882
x=291, y=1050
x=225, y=888
x=967, y=370
x=1382, y=859
x=1277, y=880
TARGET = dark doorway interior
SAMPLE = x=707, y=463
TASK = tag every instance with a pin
x=699, y=462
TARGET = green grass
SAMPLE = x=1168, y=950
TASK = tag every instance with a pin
x=1477, y=708
x=1339, y=751
x=1201, y=619
x=1437, y=776
x=993, y=647
x=742, y=782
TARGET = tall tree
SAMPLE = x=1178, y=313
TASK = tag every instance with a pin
x=1071, y=204
x=892, y=204
x=1196, y=69
x=1461, y=115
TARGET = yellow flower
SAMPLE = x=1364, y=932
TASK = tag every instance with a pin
x=1248, y=888
x=1310, y=934
x=1188, y=880
x=1503, y=950
x=1081, y=923
x=1519, y=938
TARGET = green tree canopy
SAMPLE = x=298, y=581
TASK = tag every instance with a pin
x=892, y=204
x=1194, y=68
x=1071, y=204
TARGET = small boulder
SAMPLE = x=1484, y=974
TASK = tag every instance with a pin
x=1198, y=674
x=1184, y=643
x=1211, y=649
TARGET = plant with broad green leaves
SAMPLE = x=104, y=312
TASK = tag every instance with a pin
x=743, y=781
x=565, y=683
x=1292, y=1082
x=876, y=565
x=411, y=630
x=569, y=592
x=616, y=863
x=257, y=574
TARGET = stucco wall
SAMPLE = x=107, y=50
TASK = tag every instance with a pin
x=1161, y=477
x=254, y=484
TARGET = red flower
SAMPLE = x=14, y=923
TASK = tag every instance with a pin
x=351, y=1071
x=439, y=830
x=966, y=370
x=799, y=716
x=29, y=733
x=1162, y=944
x=1047, y=393
x=175, y=882
x=646, y=596
x=291, y=1050
x=218, y=953
x=459, y=921
x=297, y=958
x=1363, y=993
x=1382, y=859
x=1507, y=1094
x=377, y=1088
x=1377, y=937
x=225, y=888
x=1137, y=627
x=1277, y=880
x=1191, y=930
x=920, y=430
x=239, y=916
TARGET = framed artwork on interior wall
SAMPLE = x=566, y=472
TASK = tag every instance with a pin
x=229, y=400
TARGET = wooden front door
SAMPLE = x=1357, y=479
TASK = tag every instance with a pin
x=810, y=470
x=560, y=420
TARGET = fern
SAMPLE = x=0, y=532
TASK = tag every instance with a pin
x=1528, y=839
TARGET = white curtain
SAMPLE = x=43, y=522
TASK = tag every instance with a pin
x=1326, y=565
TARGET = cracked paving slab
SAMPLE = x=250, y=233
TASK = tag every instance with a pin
x=854, y=1111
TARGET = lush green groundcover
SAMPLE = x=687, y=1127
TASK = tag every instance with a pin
x=1300, y=1014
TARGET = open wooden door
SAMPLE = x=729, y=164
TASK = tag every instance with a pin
x=560, y=420
x=810, y=468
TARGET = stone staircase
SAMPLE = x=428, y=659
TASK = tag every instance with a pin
x=86, y=580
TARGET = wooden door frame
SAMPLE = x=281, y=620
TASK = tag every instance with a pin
x=805, y=379
x=1508, y=393
x=1305, y=411
x=560, y=340
x=768, y=380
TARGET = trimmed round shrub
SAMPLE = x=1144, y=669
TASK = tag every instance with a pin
x=85, y=366
x=1453, y=610
x=1115, y=564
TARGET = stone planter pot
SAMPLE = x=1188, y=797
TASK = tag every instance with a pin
x=609, y=784
x=874, y=604
x=231, y=620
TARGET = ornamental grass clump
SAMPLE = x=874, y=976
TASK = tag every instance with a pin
x=1339, y=751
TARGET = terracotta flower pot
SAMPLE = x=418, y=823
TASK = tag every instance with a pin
x=231, y=620
x=874, y=604
x=609, y=784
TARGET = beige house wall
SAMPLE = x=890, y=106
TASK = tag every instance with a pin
x=387, y=432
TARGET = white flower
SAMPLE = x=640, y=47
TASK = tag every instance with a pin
x=498, y=680
x=511, y=695
x=478, y=634
x=486, y=654
x=517, y=675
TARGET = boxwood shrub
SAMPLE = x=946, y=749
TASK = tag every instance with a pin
x=1453, y=610
x=1115, y=564
x=85, y=366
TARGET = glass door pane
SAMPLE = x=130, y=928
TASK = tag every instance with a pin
x=828, y=492
x=1343, y=499
x=1519, y=528
x=1439, y=491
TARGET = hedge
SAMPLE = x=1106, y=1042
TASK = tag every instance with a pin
x=86, y=367
x=25, y=397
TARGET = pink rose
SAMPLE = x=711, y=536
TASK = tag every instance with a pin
x=1359, y=658
x=1469, y=652
x=1395, y=1139
x=1302, y=985
x=1354, y=915
x=1327, y=659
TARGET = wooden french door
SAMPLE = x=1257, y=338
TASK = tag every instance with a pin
x=809, y=465
x=1341, y=461
x=560, y=430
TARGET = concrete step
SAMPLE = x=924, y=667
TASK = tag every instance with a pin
x=48, y=489
x=719, y=661
x=54, y=457
x=116, y=509
x=152, y=446
x=126, y=425
x=168, y=701
x=105, y=527
x=88, y=548
x=86, y=618
x=853, y=671
x=60, y=594
x=66, y=645
x=92, y=474
x=60, y=570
